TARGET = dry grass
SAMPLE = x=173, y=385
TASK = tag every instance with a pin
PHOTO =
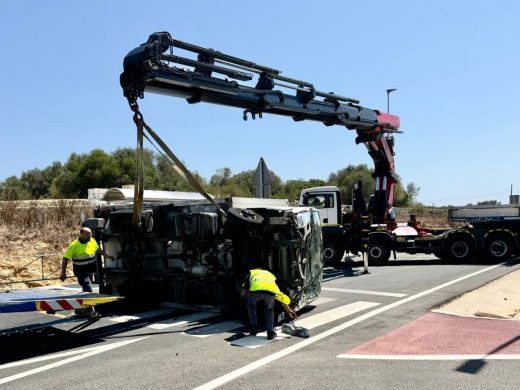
x=32, y=230
x=428, y=217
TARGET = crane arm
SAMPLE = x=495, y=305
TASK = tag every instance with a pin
x=218, y=78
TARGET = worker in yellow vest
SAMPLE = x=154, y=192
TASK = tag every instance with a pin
x=260, y=285
x=82, y=252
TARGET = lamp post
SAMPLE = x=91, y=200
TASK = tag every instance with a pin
x=388, y=92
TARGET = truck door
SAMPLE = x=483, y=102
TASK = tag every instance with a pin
x=326, y=203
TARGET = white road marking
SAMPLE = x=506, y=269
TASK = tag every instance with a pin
x=83, y=353
x=311, y=340
x=321, y=300
x=140, y=316
x=210, y=330
x=429, y=357
x=309, y=323
x=367, y=292
x=259, y=340
x=334, y=314
x=180, y=321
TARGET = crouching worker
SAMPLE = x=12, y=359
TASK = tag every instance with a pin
x=82, y=252
x=260, y=285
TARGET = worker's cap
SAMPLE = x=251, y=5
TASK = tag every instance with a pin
x=86, y=229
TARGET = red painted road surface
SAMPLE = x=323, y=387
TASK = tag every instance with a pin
x=441, y=334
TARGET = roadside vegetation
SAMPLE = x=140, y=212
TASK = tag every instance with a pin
x=99, y=169
x=34, y=235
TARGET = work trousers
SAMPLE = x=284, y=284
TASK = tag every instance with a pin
x=84, y=275
x=268, y=300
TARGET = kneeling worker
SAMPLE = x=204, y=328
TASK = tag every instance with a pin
x=260, y=285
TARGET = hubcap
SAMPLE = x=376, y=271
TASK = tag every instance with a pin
x=328, y=253
x=498, y=248
x=376, y=252
x=460, y=249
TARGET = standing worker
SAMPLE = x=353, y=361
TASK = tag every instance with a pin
x=260, y=285
x=82, y=252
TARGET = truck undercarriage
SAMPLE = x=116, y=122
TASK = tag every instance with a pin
x=188, y=254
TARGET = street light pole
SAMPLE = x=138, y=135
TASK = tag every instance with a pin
x=388, y=92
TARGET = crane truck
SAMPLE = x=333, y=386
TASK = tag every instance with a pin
x=487, y=231
x=195, y=252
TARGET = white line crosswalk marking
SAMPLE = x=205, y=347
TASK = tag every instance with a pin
x=367, y=292
x=181, y=321
x=334, y=314
x=321, y=300
x=140, y=316
x=309, y=323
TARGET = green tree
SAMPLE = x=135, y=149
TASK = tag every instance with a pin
x=346, y=178
x=171, y=179
x=83, y=171
x=39, y=181
x=293, y=188
x=413, y=192
x=488, y=203
x=13, y=188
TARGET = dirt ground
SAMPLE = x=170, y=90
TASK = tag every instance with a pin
x=498, y=299
x=34, y=235
x=21, y=255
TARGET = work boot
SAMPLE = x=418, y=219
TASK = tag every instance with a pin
x=94, y=315
x=271, y=335
x=254, y=331
x=87, y=312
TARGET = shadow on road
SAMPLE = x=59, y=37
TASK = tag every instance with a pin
x=474, y=366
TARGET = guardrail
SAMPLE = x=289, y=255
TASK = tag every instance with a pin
x=46, y=273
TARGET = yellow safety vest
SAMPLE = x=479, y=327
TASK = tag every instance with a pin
x=82, y=254
x=262, y=280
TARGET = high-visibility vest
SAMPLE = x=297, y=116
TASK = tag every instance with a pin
x=82, y=254
x=262, y=280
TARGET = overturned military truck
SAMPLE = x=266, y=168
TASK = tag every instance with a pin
x=188, y=254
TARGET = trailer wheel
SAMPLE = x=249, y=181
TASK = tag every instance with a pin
x=378, y=253
x=499, y=246
x=332, y=253
x=459, y=248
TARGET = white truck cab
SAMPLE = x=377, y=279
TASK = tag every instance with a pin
x=326, y=200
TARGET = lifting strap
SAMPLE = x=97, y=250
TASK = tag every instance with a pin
x=177, y=165
x=139, y=172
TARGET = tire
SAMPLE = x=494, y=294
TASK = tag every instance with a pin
x=244, y=217
x=499, y=247
x=378, y=253
x=459, y=248
x=332, y=253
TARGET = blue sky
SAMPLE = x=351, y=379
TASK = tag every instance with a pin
x=454, y=63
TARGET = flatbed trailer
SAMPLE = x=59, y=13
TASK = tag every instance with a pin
x=27, y=310
x=489, y=232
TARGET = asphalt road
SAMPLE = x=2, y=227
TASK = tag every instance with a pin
x=368, y=331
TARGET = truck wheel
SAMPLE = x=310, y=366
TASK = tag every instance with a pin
x=245, y=215
x=332, y=253
x=459, y=248
x=378, y=253
x=499, y=246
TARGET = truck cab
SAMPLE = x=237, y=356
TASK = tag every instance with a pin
x=339, y=232
x=326, y=200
